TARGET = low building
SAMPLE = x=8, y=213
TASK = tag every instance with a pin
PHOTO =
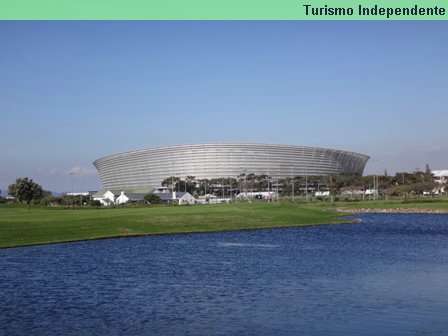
x=440, y=176
x=367, y=192
x=105, y=198
x=176, y=197
x=113, y=197
x=267, y=195
x=212, y=199
x=84, y=193
x=322, y=193
x=122, y=199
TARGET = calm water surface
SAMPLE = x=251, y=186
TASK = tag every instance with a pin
x=385, y=276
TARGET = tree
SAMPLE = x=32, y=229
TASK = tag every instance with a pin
x=152, y=199
x=172, y=182
x=421, y=187
x=429, y=177
x=428, y=170
x=25, y=190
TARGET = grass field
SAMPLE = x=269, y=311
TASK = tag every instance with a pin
x=40, y=225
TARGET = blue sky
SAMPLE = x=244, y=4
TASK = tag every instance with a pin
x=71, y=92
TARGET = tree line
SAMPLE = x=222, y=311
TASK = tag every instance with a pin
x=25, y=190
x=400, y=184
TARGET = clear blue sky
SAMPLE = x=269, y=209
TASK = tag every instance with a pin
x=71, y=92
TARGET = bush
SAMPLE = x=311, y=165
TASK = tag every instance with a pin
x=152, y=199
x=48, y=200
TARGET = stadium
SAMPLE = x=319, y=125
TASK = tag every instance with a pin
x=147, y=168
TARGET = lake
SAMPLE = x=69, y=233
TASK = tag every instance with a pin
x=387, y=275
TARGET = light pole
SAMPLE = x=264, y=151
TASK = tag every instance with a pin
x=306, y=183
x=374, y=187
x=72, y=197
x=230, y=189
x=222, y=186
x=80, y=188
x=292, y=184
x=239, y=189
x=276, y=194
x=71, y=179
x=267, y=171
x=376, y=179
x=245, y=183
x=172, y=177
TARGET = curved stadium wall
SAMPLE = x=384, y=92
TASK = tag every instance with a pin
x=147, y=168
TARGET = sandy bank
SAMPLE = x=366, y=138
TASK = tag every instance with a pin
x=393, y=210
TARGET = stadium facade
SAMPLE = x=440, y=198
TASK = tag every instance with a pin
x=147, y=168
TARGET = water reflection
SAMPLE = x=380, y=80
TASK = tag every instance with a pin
x=384, y=276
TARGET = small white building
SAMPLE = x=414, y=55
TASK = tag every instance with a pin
x=122, y=199
x=113, y=197
x=107, y=198
x=185, y=198
x=367, y=192
x=440, y=176
x=268, y=195
x=84, y=193
x=176, y=197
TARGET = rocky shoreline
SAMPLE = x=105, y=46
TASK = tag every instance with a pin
x=394, y=210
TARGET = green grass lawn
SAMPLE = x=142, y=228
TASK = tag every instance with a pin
x=40, y=225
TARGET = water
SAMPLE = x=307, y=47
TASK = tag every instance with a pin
x=385, y=276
